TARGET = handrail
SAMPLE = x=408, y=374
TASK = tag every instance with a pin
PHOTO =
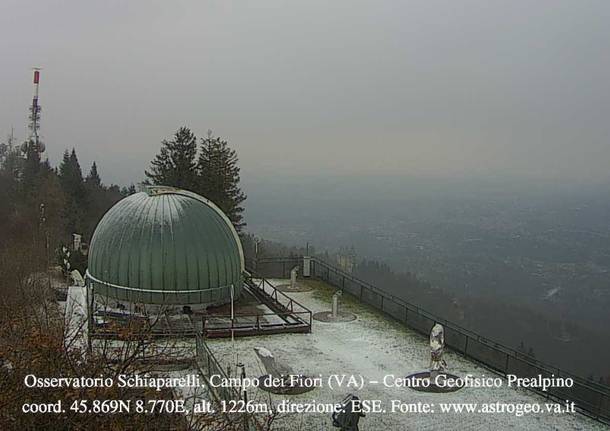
x=276, y=291
x=203, y=351
x=292, y=313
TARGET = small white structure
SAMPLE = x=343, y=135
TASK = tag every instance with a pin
x=335, y=304
x=272, y=366
x=335, y=315
x=306, y=266
x=77, y=279
x=437, y=346
x=293, y=277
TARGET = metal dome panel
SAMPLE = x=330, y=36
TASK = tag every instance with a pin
x=166, y=246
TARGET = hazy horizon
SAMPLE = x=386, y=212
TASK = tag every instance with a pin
x=431, y=89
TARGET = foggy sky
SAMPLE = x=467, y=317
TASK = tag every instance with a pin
x=446, y=88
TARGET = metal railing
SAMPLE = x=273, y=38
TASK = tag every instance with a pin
x=590, y=398
x=288, y=306
x=209, y=366
x=285, y=315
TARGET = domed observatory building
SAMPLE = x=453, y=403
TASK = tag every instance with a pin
x=165, y=248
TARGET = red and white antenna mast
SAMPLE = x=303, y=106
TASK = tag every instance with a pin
x=34, y=124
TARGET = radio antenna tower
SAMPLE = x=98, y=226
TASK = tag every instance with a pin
x=34, y=123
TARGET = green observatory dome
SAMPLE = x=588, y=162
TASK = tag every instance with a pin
x=165, y=246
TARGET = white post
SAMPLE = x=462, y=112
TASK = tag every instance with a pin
x=335, y=306
x=293, y=277
x=233, y=324
x=306, y=266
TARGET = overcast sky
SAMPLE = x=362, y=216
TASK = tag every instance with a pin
x=437, y=88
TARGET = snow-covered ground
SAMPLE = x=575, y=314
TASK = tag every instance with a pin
x=374, y=346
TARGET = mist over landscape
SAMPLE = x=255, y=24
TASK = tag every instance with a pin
x=533, y=251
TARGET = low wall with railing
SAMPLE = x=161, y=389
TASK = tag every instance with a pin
x=591, y=399
x=275, y=267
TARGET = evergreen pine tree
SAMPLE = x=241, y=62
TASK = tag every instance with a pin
x=64, y=166
x=73, y=186
x=176, y=163
x=71, y=176
x=31, y=169
x=97, y=202
x=126, y=191
x=98, y=199
x=219, y=178
x=93, y=178
x=11, y=164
